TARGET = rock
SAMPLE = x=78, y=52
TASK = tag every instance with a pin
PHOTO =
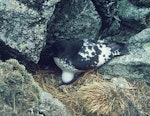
x=107, y=9
x=137, y=63
x=134, y=17
x=23, y=26
x=21, y=95
x=50, y=106
x=141, y=3
x=121, y=83
x=128, y=19
x=132, y=27
x=74, y=19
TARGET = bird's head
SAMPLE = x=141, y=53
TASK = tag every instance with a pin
x=66, y=48
x=58, y=48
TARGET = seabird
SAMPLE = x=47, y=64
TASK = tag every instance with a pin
x=76, y=56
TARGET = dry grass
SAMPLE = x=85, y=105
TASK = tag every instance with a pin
x=92, y=95
x=141, y=97
x=101, y=97
x=69, y=99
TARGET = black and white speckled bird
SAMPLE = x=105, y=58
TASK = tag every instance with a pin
x=77, y=56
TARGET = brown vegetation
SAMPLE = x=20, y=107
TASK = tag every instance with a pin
x=92, y=95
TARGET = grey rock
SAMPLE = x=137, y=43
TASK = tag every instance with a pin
x=115, y=28
x=20, y=95
x=107, y=9
x=137, y=63
x=74, y=19
x=141, y=3
x=50, y=106
x=128, y=20
x=23, y=28
x=121, y=83
x=137, y=18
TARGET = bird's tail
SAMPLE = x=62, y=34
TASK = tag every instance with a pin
x=118, y=48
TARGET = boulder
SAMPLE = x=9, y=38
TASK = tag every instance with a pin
x=20, y=95
x=134, y=17
x=50, y=106
x=135, y=65
x=23, y=26
x=74, y=19
x=132, y=27
x=107, y=9
x=125, y=18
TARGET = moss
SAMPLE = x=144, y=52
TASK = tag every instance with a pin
x=16, y=66
x=18, y=91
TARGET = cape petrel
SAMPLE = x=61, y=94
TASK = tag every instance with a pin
x=77, y=56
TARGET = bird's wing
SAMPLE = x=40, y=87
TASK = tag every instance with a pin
x=87, y=57
x=92, y=55
x=83, y=64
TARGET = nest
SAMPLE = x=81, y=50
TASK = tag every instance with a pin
x=92, y=95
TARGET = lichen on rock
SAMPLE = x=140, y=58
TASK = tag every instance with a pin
x=21, y=95
x=23, y=27
x=133, y=16
x=74, y=19
x=18, y=90
x=137, y=63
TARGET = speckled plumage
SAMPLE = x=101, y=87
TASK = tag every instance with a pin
x=76, y=56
